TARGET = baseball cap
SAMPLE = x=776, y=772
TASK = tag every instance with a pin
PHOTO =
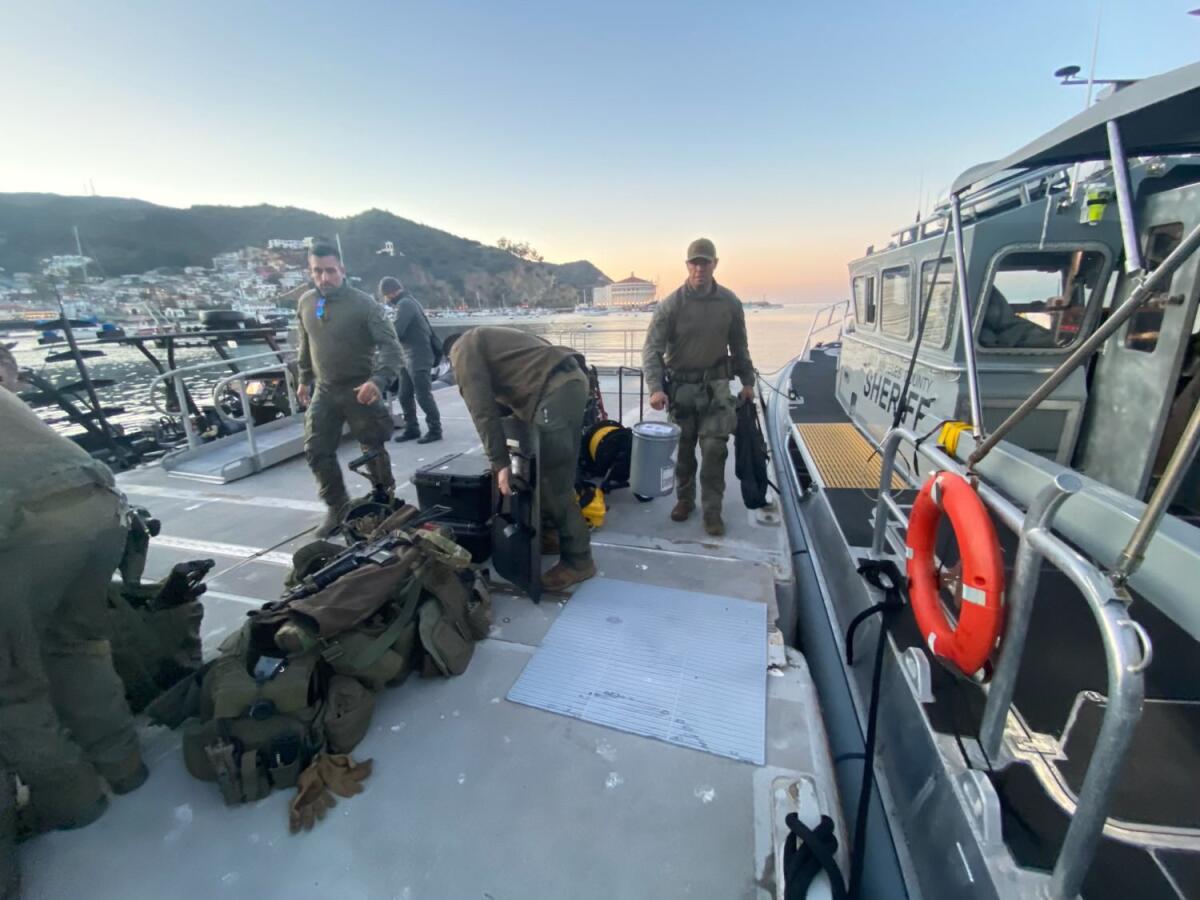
x=701, y=248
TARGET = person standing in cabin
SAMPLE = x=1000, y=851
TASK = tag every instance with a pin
x=695, y=343
x=348, y=355
x=545, y=386
x=420, y=356
x=65, y=726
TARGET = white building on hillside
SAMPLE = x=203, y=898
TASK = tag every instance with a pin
x=627, y=293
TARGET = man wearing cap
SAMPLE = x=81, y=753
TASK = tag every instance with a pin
x=419, y=345
x=544, y=386
x=696, y=342
x=348, y=355
x=64, y=722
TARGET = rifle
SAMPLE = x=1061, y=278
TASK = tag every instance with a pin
x=355, y=557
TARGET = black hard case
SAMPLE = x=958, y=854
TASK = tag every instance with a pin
x=462, y=482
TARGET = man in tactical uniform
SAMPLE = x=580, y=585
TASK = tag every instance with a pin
x=348, y=355
x=544, y=386
x=695, y=343
x=64, y=722
x=417, y=342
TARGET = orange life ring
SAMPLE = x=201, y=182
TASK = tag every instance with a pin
x=981, y=615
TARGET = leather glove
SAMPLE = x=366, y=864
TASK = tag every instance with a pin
x=312, y=800
x=341, y=774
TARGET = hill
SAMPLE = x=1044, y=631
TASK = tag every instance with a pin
x=132, y=236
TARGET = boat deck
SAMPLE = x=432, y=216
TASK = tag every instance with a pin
x=472, y=796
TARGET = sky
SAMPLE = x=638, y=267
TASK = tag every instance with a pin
x=792, y=133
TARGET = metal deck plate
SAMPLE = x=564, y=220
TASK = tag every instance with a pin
x=684, y=667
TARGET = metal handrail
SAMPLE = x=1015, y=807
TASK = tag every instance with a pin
x=176, y=377
x=293, y=403
x=813, y=328
x=1126, y=645
x=247, y=416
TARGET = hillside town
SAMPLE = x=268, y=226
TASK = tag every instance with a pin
x=256, y=281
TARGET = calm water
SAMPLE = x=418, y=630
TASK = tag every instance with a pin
x=775, y=337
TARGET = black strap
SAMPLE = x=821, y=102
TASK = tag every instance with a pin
x=806, y=852
x=884, y=575
x=902, y=406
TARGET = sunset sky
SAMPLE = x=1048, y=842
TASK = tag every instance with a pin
x=791, y=133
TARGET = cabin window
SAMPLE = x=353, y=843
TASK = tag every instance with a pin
x=895, y=307
x=1144, y=325
x=864, y=300
x=940, y=319
x=1038, y=299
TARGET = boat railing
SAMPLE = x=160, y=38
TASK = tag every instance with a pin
x=238, y=381
x=1127, y=647
x=840, y=309
x=615, y=348
x=177, y=378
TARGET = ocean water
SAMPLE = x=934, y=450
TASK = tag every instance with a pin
x=775, y=336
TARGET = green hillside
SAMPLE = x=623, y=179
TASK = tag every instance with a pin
x=132, y=236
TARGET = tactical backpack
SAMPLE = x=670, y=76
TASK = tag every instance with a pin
x=299, y=677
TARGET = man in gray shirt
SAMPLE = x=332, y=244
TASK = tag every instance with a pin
x=419, y=346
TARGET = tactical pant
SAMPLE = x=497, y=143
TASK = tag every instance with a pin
x=332, y=407
x=705, y=414
x=559, y=421
x=56, y=670
x=416, y=386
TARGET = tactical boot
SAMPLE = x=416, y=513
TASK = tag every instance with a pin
x=128, y=776
x=408, y=434
x=712, y=523
x=561, y=576
x=332, y=520
x=434, y=434
x=682, y=510
x=64, y=799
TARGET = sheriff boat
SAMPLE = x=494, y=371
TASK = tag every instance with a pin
x=1023, y=363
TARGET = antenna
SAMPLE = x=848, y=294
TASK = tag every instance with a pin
x=79, y=250
x=1067, y=74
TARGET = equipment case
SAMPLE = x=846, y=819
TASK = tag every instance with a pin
x=462, y=482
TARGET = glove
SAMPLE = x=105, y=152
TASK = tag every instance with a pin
x=312, y=800
x=341, y=774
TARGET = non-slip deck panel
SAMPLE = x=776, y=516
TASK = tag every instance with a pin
x=842, y=456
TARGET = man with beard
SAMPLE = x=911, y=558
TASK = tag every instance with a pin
x=348, y=355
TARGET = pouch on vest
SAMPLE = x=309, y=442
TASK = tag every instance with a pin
x=445, y=630
x=348, y=710
x=260, y=720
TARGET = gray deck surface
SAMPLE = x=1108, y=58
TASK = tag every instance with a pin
x=472, y=796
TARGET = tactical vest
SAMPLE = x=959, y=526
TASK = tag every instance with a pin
x=155, y=631
x=300, y=677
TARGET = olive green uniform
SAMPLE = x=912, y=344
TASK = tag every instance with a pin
x=62, y=532
x=351, y=342
x=694, y=345
x=544, y=386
